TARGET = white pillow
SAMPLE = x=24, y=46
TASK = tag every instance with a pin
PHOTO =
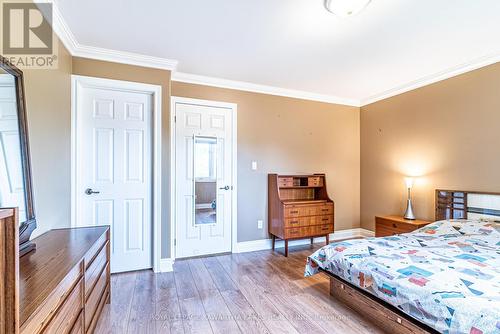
x=480, y=227
x=437, y=228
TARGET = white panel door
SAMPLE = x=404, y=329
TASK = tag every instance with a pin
x=115, y=171
x=203, y=162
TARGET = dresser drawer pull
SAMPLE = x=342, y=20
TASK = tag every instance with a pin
x=325, y=228
x=325, y=210
x=294, y=232
x=295, y=211
x=325, y=219
x=394, y=225
x=293, y=222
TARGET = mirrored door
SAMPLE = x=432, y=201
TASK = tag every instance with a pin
x=205, y=180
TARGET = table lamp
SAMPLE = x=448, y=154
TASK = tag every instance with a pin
x=409, y=208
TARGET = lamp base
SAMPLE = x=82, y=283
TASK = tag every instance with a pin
x=409, y=211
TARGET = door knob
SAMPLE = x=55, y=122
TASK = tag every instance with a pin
x=224, y=188
x=89, y=191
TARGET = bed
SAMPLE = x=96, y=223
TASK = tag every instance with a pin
x=444, y=277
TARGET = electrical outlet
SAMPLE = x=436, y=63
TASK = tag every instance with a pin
x=254, y=165
x=260, y=223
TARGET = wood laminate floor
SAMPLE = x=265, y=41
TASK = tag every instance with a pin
x=258, y=292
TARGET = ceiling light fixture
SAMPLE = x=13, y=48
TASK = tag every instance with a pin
x=346, y=8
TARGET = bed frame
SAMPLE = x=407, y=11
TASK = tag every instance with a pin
x=450, y=204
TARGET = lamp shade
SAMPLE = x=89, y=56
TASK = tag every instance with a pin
x=409, y=182
x=346, y=8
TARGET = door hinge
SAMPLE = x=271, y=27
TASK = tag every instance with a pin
x=175, y=119
x=175, y=242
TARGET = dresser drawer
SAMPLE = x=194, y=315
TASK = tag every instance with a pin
x=95, y=296
x=322, y=229
x=285, y=182
x=297, y=232
x=79, y=326
x=39, y=318
x=102, y=301
x=94, y=251
x=65, y=317
x=95, y=269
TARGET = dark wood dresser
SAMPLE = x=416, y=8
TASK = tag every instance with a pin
x=299, y=207
x=386, y=226
x=64, y=284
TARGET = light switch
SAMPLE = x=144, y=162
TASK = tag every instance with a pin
x=254, y=165
x=260, y=224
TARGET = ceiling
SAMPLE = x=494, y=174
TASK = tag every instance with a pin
x=297, y=44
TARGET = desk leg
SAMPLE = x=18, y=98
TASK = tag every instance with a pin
x=274, y=240
x=328, y=239
x=286, y=248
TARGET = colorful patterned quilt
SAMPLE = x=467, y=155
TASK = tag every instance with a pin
x=446, y=275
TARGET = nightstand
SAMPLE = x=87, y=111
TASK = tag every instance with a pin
x=392, y=225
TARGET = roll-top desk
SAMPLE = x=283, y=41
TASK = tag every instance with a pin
x=64, y=284
x=299, y=208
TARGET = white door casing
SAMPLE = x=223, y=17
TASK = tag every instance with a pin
x=11, y=177
x=203, y=122
x=115, y=163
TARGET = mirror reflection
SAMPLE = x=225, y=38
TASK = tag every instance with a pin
x=12, y=192
x=205, y=180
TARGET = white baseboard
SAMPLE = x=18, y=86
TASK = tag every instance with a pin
x=166, y=265
x=263, y=244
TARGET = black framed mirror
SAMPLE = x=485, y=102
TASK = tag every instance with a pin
x=16, y=189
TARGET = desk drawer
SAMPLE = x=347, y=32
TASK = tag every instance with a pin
x=285, y=182
x=298, y=211
x=297, y=232
x=315, y=181
x=308, y=221
x=65, y=317
x=95, y=269
x=308, y=210
x=297, y=222
x=325, y=209
x=95, y=296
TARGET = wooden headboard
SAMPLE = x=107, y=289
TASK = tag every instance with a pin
x=459, y=204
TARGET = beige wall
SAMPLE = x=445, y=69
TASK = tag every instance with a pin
x=48, y=105
x=103, y=69
x=288, y=135
x=447, y=133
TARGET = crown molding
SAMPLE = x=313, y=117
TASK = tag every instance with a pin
x=76, y=49
x=124, y=57
x=433, y=78
x=263, y=89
